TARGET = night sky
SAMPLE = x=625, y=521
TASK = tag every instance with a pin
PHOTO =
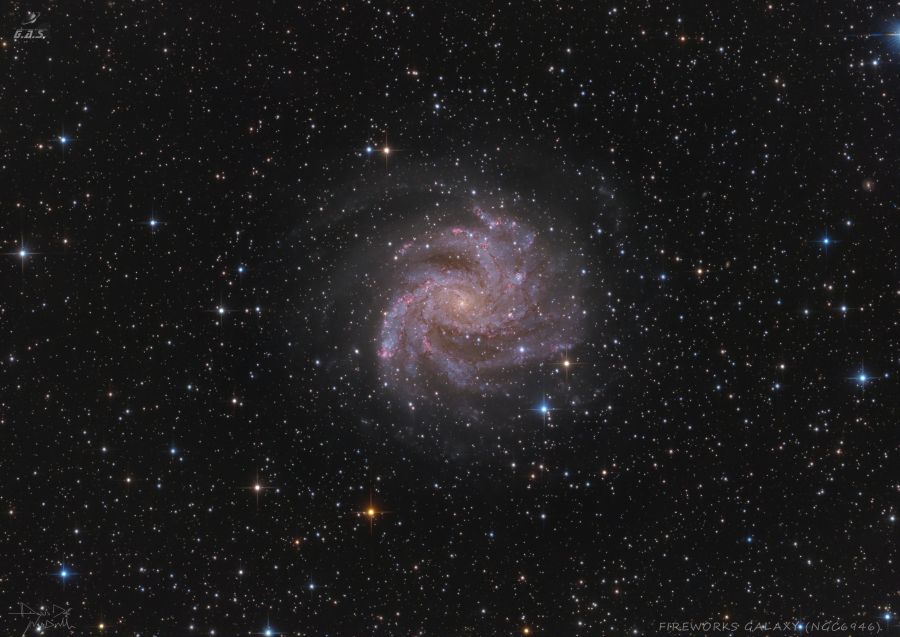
x=449, y=318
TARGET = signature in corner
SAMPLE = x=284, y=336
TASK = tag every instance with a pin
x=44, y=618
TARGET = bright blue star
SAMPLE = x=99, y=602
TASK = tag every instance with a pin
x=887, y=617
x=826, y=241
x=63, y=573
x=544, y=409
x=862, y=377
x=63, y=139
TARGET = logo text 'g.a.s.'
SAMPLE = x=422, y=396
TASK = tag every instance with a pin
x=30, y=30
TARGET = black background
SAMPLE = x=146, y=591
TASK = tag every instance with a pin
x=696, y=480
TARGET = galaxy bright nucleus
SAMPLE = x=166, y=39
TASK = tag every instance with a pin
x=473, y=307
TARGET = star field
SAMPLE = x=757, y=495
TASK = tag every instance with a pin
x=449, y=318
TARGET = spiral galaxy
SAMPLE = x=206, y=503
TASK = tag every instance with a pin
x=473, y=307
